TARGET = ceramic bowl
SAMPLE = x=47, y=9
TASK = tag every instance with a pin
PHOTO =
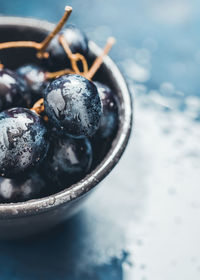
x=33, y=216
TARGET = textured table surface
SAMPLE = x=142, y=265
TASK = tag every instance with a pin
x=150, y=228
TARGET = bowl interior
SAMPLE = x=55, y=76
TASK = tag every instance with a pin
x=15, y=29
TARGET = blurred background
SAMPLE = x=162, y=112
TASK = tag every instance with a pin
x=150, y=228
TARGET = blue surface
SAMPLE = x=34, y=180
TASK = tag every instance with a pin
x=151, y=228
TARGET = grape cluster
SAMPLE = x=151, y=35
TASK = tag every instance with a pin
x=47, y=147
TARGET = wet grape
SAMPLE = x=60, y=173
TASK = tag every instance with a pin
x=23, y=141
x=13, y=90
x=73, y=105
x=68, y=161
x=21, y=189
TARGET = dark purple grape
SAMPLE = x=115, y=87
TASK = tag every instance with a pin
x=34, y=77
x=68, y=161
x=22, y=189
x=23, y=141
x=13, y=90
x=77, y=42
x=109, y=118
x=73, y=105
x=101, y=141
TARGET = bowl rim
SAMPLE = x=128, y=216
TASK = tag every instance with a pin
x=36, y=206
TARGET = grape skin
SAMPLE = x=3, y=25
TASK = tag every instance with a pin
x=73, y=105
x=13, y=90
x=68, y=161
x=35, y=79
x=22, y=189
x=23, y=141
x=109, y=118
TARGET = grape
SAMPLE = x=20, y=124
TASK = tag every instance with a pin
x=21, y=189
x=13, y=90
x=73, y=105
x=35, y=79
x=23, y=141
x=109, y=118
x=102, y=139
x=68, y=161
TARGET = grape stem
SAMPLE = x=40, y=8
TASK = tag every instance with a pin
x=40, y=47
x=20, y=44
x=38, y=107
x=47, y=40
x=74, y=58
x=99, y=60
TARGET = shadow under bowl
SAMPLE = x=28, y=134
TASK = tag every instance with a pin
x=30, y=217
